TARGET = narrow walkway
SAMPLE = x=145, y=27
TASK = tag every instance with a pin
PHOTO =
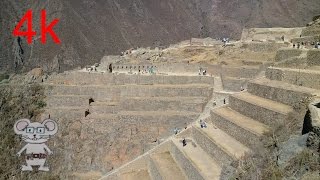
x=218, y=86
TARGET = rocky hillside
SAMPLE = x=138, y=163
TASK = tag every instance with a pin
x=91, y=29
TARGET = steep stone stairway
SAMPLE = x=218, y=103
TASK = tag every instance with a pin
x=233, y=130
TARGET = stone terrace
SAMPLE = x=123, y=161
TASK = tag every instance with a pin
x=130, y=115
x=234, y=129
x=139, y=109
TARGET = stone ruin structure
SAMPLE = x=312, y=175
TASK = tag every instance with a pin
x=120, y=125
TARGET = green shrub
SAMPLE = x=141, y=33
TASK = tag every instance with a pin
x=24, y=101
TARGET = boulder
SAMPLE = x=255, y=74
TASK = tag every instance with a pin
x=36, y=73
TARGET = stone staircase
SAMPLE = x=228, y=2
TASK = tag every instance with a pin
x=233, y=130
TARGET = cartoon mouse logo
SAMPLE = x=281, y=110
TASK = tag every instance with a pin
x=35, y=135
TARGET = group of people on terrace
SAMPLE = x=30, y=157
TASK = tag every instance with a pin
x=132, y=69
x=202, y=72
x=301, y=45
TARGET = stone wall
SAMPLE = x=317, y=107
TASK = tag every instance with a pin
x=289, y=96
x=133, y=68
x=163, y=104
x=311, y=31
x=240, y=72
x=265, y=115
x=233, y=84
x=149, y=91
x=204, y=42
x=306, y=39
x=286, y=53
x=179, y=68
x=211, y=148
x=85, y=78
x=301, y=77
x=270, y=33
x=313, y=57
x=146, y=110
x=187, y=166
x=264, y=46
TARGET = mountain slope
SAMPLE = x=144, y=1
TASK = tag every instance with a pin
x=91, y=29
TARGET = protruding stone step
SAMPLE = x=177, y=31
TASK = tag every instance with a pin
x=219, y=144
x=242, y=128
x=299, y=77
x=269, y=112
x=192, y=104
x=201, y=165
x=280, y=91
x=167, y=167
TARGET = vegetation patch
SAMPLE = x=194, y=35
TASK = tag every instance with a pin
x=16, y=102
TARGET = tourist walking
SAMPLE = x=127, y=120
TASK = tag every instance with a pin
x=203, y=124
x=184, y=142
